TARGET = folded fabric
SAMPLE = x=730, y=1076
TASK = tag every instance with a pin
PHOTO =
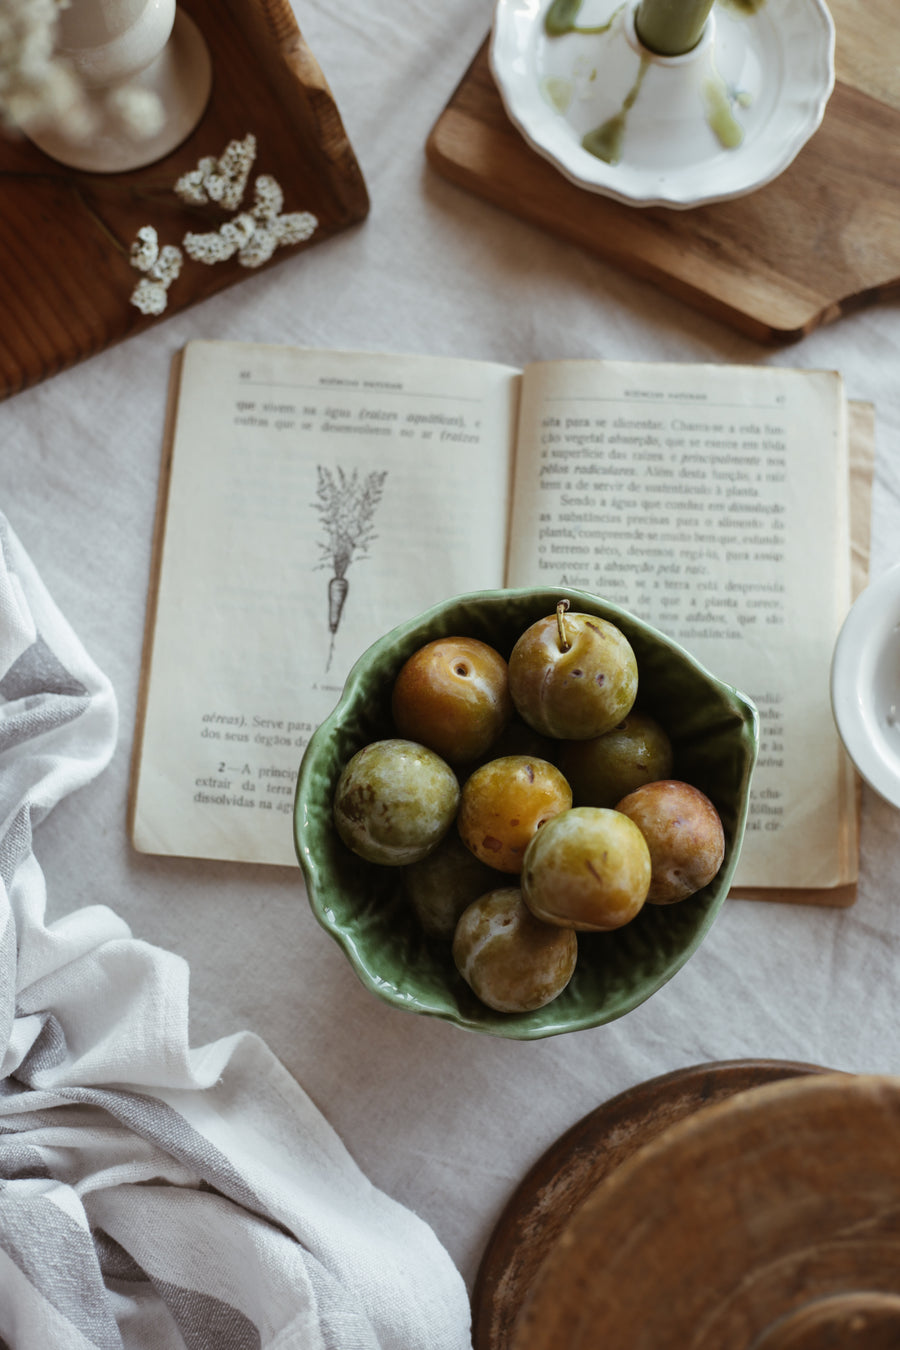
x=153, y=1195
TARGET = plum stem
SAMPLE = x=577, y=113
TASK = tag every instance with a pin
x=564, y=643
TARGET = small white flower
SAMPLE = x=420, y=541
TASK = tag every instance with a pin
x=149, y=296
x=220, y=180
x=207, y=248
x=167, y=265
x=161, y=266
x=268, y=198
x=239, y=230
x=190, y=185
x=260, y=248
x=296, y=227
x=145, y=249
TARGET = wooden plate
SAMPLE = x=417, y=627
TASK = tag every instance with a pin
x=767, y=1221
x=572, y=1168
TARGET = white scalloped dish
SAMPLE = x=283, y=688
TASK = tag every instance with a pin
x=720, y=121
x=865, y=684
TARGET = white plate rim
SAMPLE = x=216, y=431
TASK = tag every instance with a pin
x=873, y=615
x=510, y=60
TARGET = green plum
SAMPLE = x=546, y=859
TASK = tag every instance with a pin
x=395, y=801
x=511, y=961
x=588, y=868
x=440, y=886
x=573, y=676
x=684, y=834
x=603, y=769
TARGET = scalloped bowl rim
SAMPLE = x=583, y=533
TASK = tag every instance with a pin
x=509, y=54
x=354, y=685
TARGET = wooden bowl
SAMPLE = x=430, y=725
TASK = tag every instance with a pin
x=769, y=1221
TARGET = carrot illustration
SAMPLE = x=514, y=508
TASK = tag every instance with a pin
x=337, y=594
x=346, y=505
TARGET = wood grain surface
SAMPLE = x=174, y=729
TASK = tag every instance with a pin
x=820, y=240
x=571, y=1169
x=65, y=275
x=769, y=1220
x=857, y=1321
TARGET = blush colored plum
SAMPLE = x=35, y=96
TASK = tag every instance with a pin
x=395, y=801
x=510, y=960
x=588, y=868
x=575, y=681
x=606, y=768
x=453, y=696
x=684, y=835
x=504, y=803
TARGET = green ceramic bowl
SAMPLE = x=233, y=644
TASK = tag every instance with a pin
x=714, y=730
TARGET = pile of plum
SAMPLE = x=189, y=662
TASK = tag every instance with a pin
x=527, y=800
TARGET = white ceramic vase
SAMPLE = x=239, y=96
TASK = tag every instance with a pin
x=129, y=45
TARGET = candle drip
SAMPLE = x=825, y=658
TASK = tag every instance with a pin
x=717, y=99
x=746, y=7
x=558, y=91
x=562, y=15
x=607, y=140
x=720, y=117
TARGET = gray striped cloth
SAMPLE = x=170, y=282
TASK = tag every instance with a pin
x=153, y=1195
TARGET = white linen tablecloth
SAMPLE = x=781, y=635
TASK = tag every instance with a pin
x=444, y=1122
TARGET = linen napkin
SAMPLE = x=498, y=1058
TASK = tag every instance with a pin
x=153, y=1195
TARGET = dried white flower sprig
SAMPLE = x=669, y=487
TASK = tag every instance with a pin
x=38, y=88
x=160, y=265
x=253, y=236
x=35, y=86
x=220, y=180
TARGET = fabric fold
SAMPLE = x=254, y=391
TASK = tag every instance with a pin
x=153, y=1194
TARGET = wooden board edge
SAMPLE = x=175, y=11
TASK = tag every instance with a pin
x=301, y=65
x=761, y=330
x=794, y=324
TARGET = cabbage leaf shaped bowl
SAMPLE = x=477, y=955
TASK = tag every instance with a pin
x=714, y=730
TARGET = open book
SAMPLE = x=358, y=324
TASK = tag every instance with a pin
x=311, y=500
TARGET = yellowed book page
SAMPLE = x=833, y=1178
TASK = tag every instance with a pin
x=315, y=500
x=711, y=501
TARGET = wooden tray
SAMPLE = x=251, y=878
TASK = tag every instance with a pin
x=65, y=277
x=565, y=1176
x=767, y=1221
x=820, y=240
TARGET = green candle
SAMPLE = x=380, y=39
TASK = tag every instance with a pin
x=671, y=27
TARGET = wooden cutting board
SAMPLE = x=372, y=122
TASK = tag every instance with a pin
x=537, y=1213
x=65, y=276
x=822, y=239
x=767, y=1221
